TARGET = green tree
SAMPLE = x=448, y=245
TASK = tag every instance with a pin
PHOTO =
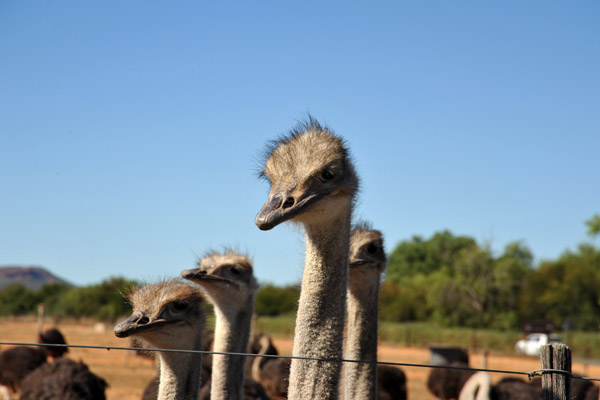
x=102, y=301
x=593, y=225
x=273, y=300
x=511, y=271
x=463, y=284
x=16, y=299
x=405, y=302
x=566, y=289
x=51, y=294
x=419, y=256
x=462, y=295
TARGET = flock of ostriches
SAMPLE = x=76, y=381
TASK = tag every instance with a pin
x=313, y=183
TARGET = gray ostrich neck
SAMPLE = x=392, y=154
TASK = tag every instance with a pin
x=360, y=379
x=232, y=332
x=321, y=311
x=180, y=373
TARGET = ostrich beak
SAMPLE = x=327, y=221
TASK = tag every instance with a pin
x=284, y=206
x=201, y=278
x=358, y=263
x=138, y=322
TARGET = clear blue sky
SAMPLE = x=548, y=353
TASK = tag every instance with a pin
x=131, y=131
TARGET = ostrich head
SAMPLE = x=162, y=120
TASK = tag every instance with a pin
x=167, y=314
x=367, y=255
x=227, y=278
x=311, y=175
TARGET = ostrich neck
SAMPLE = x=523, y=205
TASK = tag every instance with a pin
x=361, y=343
x=321, y=311
x=180, y=373
x=232, y=332
x=259, y=362
x=477, y=387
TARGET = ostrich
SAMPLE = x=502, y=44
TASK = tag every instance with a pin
x=272, y=373
x=592, y=394
x=17, y=362
x=581, y=389
x=49, y=336
x=25, y=369
x=151, y=390
x=446, y=383
x=254, y=347
x=62, y=379
x=53, y=336
x=313, y=182
x=367, y=262
x=252, y=389
x=479, y=387
x=257, y=343
x=170, y=315
x=391, y=383
x=229, y=283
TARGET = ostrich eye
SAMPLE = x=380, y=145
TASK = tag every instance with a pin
x=179, y=306
x=235, y=270
x=327, y=175
x=372, y=248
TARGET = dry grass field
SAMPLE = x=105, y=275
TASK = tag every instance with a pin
x=127, y=374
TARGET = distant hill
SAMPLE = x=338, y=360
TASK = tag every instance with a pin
x=29, y=276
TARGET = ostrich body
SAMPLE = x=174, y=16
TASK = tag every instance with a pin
x=391, y=383
x=170, y=315
x=53, y=336
x=446, y=383
x=272, y=373
x=367, y=262
x=25, y=369
x=17, y=362
x=229, y=283
x=63, y=379
x=313, y=182
x=479, y=387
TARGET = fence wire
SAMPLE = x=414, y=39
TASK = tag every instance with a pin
x=530, y=374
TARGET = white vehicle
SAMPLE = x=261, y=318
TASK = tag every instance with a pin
x=533, y=342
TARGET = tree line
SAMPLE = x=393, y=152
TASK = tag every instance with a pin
x=455, y=281
x=447, y=279
x=103, y=301
x=107, y=300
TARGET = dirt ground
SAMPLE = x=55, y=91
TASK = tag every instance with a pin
x=128, y=374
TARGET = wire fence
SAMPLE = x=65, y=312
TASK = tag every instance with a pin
x=529, y=374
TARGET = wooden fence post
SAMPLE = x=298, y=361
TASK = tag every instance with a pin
x=556, y=385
